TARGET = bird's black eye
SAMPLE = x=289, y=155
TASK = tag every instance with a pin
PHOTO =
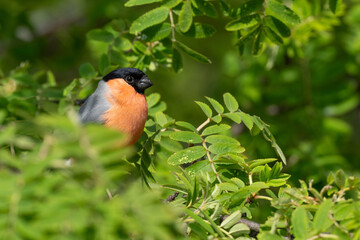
x=129, y=79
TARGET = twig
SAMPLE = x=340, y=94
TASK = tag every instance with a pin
x=254, y=226
x=172, y=197
x=203, y=124
x=172, y=26
x=211, y=161
x=109, y=194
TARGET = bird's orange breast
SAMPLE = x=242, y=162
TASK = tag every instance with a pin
x=128, y=111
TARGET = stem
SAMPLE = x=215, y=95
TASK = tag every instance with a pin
x=172, y=26
x=211, y=162
x=203, y=124
x=250, y=179
x=109, y=194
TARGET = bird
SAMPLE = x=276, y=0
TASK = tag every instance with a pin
x=119, y=103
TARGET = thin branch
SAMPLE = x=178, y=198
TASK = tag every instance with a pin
x=172, y=197
x=172, y=26
x=211, y=162
x=109, y=194
x=203, y=124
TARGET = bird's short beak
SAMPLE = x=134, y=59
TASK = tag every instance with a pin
x=144, y=83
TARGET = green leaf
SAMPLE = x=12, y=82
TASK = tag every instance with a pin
x=226, y=186
x=186, y=125
x=176, y=62
x=239, y=229
x=117, y=58
x=200, y=30
x=161, y=119
x=220, y=148
x=185, y=17
x=152, y=99
x=321, y=217
x=273, y=36
x=249, y=7
x=104, y=63
x=200, y=221
x=300, y=222
x=171, y=3
x=249, y=36
x=215, y=129
x=170, y=145
x=258, y=162
x=100, y=35
x=132, y=3
x=187, y=155
x=243, y=22
x=197, y=56
x=340, y=178
x=157, y=32
x=151, y=18
x=196, y=228
x=231, y=220
x=330, y=178
x=122, y=44
x=245, y=192
x=216, y=105
x=335, y=5
x=221, y=139
x=205, y=108
x=257, y=44
x=268, y=236
x=277, y=26
x=216, y=118
x=186, y=136
x=282, y=12
x=206, y=7
x=230, y=102
x=247, y=120
x=234, y=117
x=86, y=70
x=50, y=79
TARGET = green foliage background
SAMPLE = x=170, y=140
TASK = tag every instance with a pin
x=293, y=63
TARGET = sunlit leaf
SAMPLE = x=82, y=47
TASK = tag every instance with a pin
x=186, y=136
x=231, y=220
x=185, y=17
x=243, y=22
x=282, y=12
x=230, y=102
x=321, y=218
x=215, y=129
x=216, y=105
x=131, y=3
x=150, y=18
x=187, y=155
x=205, y=108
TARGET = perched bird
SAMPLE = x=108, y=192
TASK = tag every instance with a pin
x=119, y=102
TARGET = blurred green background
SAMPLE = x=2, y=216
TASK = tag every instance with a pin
x=307, y=89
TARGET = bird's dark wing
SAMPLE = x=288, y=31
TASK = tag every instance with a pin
x=95, y=105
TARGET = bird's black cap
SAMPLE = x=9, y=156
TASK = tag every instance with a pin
x=133, y=76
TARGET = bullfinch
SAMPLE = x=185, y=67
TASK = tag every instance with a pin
x=119, y=103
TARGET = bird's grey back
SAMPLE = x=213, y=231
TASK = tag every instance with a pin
x=95, y=105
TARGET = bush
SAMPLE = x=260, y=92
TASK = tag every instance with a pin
x=181, y=179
